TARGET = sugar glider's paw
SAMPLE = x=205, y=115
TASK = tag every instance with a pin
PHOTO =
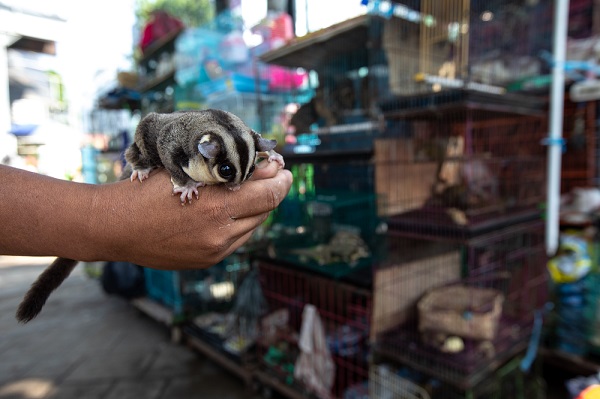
x=141, y=174
x=273, y=156
x=187, y=191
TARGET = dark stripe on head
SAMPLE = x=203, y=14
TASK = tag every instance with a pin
x=222, y=157
x=238, y=131
x=223, y=118
x=244, y=153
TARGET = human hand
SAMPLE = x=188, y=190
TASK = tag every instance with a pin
x=144, y=224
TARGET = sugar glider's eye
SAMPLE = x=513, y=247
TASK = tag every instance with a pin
x=226, y=170
x=250, y=172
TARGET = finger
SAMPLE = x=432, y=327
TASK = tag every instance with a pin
x=239, y=242
x=239, y=232
x=257, y=197
x=265, y=170
x=237, y=227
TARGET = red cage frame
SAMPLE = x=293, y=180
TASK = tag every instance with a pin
x=340, y=306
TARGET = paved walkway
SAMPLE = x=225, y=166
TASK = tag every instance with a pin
x=87, y=345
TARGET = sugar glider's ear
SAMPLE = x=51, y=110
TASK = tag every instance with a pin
x=263, y=144
x=207, y=147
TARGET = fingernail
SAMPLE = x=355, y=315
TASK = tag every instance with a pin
x=262, y=165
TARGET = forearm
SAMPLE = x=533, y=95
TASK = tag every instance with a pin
x=44, y=216
x=132, y=221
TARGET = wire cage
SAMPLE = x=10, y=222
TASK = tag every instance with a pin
x=429, y=118
x=579, y=164
x=462, y=153
x=507, y=381
x=456, y=310
x=592, y=313
x=331, y=232
x=345, y=312
x=228, y=334
x=188, y=293
x=483, y=45
x=573, y=325
x=328, y=224
x=386, y=382
x=348, y=73
x=462, y=171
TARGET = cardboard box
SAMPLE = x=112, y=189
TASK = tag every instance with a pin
x=401, y=183
x=397, y=289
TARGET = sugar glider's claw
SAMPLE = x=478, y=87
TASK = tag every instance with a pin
x=141, y=174
x=188, y=191
x=273, y=156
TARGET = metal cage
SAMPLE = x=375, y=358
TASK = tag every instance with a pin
x=345, y=311
x=508, y=263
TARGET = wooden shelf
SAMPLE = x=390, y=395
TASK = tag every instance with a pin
x=288, y=391
x=311, y=50
x=462, y=102
x=328, y=156
x=243, y=371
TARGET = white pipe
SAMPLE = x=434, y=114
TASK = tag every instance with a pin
x=561, y=19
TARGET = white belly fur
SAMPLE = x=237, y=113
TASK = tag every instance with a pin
x=199, y=171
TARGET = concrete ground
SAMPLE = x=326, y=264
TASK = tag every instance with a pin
x=86, y=344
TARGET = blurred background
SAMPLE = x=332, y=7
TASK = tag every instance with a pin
x=441, y=237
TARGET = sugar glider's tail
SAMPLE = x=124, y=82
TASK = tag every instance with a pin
x=40, y=290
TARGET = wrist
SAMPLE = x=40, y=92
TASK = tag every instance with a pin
x=104, y=229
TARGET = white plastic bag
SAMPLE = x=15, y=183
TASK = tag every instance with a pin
x=315, y=366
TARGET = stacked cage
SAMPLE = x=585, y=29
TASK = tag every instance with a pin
x=455, y=310
x=460, y=177
x=329, y=223
x=579, y=165
x=214, y=67
x=487, y=46
x=419, y=176
x=462, y=171
x=509, y=381
x=326, y=234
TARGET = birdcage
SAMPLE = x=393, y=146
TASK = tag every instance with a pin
x=509, y=380
x=579, y=164
x=462, y=149
x=431, y=46
x=414, y=109
x=386, y=382
x=456, y=309
x=344, y=311
x=461, y=170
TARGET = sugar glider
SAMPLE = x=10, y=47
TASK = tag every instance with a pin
x=197, y=148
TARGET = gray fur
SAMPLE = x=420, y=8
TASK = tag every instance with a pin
x=173, y=141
